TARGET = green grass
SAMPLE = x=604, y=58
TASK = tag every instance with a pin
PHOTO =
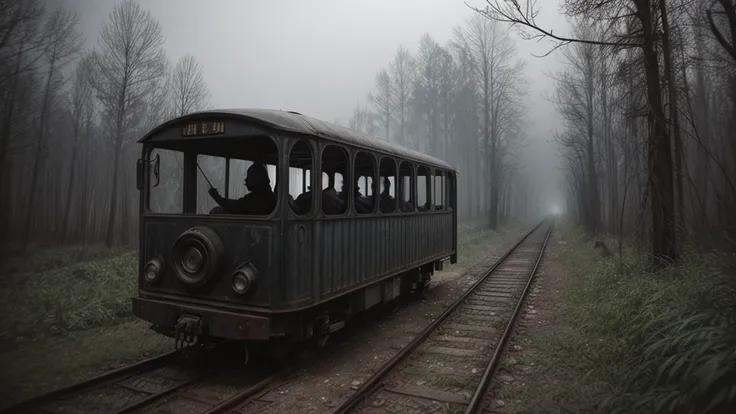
x=76, y=296
x=644, y=342
x=39, y=259
x=474, y=236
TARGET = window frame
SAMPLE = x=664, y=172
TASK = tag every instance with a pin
x=412, y=186
x=395, y=164
x=313, y=151
x=190, y=150
x=428, y=185
x=347, y=176
x=438, y=172
x=372, y=157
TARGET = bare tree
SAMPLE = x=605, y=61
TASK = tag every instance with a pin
x=401, y=71
x=729, y=13
x=81, y=106
x=63, y=43
x=131, y=59
x=362, y=120
x=381, y=101
x=497, y=76
x=637, y=28
x=189, y=91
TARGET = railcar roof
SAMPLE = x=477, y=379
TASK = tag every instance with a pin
x=295, y=122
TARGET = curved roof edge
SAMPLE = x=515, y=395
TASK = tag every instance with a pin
x=295, y=122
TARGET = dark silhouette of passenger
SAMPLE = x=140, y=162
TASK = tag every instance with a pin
x=260, y=200
x=386, y=193
x=387, y=201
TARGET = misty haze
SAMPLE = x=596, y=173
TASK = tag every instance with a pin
x=368, y=206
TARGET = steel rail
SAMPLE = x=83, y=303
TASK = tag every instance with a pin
x=91, y=383
x=476, y=401
x=232, y=402
x=375, y=380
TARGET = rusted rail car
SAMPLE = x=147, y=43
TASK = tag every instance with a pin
x=269, y=261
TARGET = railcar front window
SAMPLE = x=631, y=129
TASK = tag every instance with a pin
x=166, y=181
x=249, y=189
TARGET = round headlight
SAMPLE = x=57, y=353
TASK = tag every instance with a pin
x=240, y=282
x=153, y=270
x=197, y=256
x=244, y=278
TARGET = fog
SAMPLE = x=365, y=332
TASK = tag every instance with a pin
x=572, y=132
x=320, y=58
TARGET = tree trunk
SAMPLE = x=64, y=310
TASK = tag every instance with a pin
x=661, y=191
x=40, y=143
x=674, y=117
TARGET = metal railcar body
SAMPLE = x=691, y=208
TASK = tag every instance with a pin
x=300, y=271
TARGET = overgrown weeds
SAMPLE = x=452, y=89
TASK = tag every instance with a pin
x=71, y=298
x=38, y=258
x=664, y=342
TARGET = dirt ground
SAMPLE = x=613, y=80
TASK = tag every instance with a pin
x=327, y=376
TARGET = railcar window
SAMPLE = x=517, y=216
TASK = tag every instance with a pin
x=387, y=197
x=167, y=195
x=334, y=177
x=424, y=189
x=407, y=186
x=250, y=186
x=238, y=170
x=439, y=190
x=214, y=170
x=365, y=170
x=300, y=176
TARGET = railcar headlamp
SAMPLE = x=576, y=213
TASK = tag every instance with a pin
x=153, y=270
x=244, y=279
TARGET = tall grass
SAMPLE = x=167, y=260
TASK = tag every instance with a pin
x=39, y=258
x=71, y=298
x=664, y=342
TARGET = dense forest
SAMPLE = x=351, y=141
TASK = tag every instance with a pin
x=464, y=102
x=647, y=97
x=71, y=118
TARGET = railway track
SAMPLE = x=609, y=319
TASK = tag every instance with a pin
x=164, y=384
x=450, y=365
